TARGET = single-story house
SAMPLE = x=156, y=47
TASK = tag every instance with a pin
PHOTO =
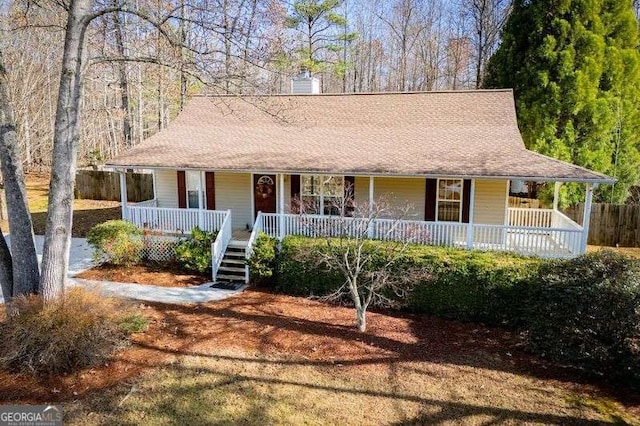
x=240, y=165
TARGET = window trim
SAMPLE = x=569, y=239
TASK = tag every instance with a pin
x=460, y=201
x=321, y=195
x=198, y=187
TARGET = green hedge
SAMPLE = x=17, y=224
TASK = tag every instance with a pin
x=459, y=284
x=584, y=311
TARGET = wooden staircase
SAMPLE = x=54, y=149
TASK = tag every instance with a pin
x=233, y=268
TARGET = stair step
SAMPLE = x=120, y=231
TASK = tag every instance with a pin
x=232, y=278
x=234, y=255
x=231, y=269
x=237, y=244
x=233, y=261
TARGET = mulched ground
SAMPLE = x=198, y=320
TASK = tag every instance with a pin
x=268, y=324
x=159, y=275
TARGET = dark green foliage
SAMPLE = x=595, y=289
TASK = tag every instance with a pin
x=586, y=311
x=461, y=284
x=194, y=253
x=116, y=241
x=575, y=68
x=262, y=263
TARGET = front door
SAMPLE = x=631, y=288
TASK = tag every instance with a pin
x=264, y=193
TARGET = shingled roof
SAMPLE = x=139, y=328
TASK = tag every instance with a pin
x=462, y=133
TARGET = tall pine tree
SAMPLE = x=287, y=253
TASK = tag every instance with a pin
x=574, y=66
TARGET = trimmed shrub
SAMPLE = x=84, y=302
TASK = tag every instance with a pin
x=194, y=253
x=460, y=284
x=116, y=241
x=262, y=263
x=586, y=312
x=80, y=329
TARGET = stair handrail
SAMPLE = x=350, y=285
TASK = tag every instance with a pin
x=219, y=246
x=255, y=231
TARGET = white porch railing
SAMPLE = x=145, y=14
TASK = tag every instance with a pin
x=540, y=241
x=148, y=203
x=528, y=240
x=413, y=231
x=257, y=228
x=173, y=221
x=219, y=246
x=541, y=218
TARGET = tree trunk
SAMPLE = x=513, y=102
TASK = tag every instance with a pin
x=24, y=261
x=57, y=242
x=6, y=274
x=361, y=319
x=123, y=82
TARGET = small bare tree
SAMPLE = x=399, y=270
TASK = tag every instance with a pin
x=369, y=268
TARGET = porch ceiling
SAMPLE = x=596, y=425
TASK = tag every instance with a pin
x=472, y=134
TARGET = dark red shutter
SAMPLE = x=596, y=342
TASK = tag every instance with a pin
x=295, y=193
x=182, y=189
x=430, y=200
x=466, y=198
x=349, y=194
x=210, y=184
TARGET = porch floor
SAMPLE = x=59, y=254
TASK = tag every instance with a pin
x=240, y=234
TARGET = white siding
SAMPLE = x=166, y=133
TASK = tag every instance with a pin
x=233, y=191
x=167, y=188
x=491, y=201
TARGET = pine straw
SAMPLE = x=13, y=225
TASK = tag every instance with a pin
x=265, y=358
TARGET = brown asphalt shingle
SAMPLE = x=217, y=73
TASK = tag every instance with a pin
x=469, y=133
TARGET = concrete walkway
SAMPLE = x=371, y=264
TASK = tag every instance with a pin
x=151, y=293
x=81, y=259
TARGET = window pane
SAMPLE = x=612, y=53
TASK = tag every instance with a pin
x=310, y=185
x=310, y=204
x=193, y=180
x=332, y=206
x=193, y=200
x=449, y=189
x=333, y=186
x=449, y=211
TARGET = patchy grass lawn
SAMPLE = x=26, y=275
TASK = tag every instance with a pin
x=261, y=358
x=87, y=213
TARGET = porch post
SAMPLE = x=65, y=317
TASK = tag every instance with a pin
x=556, y=195
x=155, y=186
x=371, y=207
x=281, y=205
x=472, y=201
x=123, y=195
x=200, y=202
x=586, y=217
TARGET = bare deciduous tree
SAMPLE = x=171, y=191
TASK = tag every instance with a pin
x=18, y=270
x=368, y=268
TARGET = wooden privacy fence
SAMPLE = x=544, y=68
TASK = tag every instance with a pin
x=611, y=224
x=104, y=185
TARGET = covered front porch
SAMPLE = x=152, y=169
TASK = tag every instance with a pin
x=485, y=221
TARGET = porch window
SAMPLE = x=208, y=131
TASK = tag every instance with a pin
x=193, y=186
x=322, y=190
x=449, y=200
